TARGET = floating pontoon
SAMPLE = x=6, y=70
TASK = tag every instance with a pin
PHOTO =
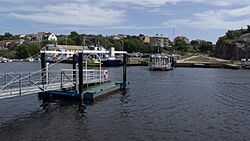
x=87, y=84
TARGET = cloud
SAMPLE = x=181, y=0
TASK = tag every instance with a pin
x=159, y=3
x=227, y=2
x=149, y=3
x=239, y=12
x=118, y=3
x=215, y=19
x=160, y=11
x=122, y=27
x=129, y=15
x=74, y=14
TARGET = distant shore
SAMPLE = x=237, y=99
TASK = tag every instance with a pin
x=193, y=61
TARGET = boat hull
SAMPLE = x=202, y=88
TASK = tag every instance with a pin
x=160, y=69
x=112, y=63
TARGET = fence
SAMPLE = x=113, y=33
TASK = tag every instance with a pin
x=16, y=84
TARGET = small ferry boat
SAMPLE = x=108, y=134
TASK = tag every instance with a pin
x=111, y=61
x=160, y=62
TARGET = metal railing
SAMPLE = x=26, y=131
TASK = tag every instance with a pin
x=16, y=84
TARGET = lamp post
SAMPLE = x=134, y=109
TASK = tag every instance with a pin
x=237, y=51
x=106, y=42
x=122, y=43
x=247, y=51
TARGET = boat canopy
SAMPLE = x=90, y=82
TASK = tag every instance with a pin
x=160, y=56
x=160, y=62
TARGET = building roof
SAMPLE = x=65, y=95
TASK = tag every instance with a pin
x=160, y=56
x=68, y=47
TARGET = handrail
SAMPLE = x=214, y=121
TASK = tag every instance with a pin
x=29, y=82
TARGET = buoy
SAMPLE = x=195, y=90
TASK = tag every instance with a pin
x=106, y=74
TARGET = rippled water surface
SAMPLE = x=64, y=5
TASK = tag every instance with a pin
x=184, y=104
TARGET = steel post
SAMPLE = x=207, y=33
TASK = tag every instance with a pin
x=43, y=66
x=124, y=68
x=20, y=84
x=74, y=67
x=80, y=65
x=47, y=73
x=61, y=79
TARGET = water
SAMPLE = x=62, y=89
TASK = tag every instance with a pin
x=184, y=104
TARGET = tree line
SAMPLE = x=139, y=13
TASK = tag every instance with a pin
x=8, y=36
x=129, y=43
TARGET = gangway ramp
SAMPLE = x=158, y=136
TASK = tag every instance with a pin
x=19, y=84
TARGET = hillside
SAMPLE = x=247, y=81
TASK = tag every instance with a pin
x=234, y=45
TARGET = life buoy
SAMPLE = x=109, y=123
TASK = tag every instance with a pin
x=106, y=74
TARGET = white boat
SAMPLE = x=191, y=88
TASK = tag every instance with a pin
x=3, y=60
x=160, y=62
x=30, y=59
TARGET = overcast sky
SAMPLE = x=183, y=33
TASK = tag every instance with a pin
x=196, y=19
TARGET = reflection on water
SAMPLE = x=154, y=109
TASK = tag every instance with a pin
x=184, y=104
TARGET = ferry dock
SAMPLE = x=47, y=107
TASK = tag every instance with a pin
x=80, y=82
x=207, y=65
x=86, y=91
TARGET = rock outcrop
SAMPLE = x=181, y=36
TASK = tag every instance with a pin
x=233, y=49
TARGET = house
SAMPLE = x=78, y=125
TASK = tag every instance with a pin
x=40, y=36
x=119, y=36
x=144, y=39
x=182, y=38
x=22, y=36
x=159, y=40
x=52, y=37
x=31, y=37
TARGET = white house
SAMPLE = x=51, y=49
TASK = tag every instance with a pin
x=52, y=37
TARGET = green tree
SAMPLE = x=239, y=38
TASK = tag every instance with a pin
x=195, y=45
x=27, y=50
x=248, y=28
x=8, y=36
x=231, y=34
x=117, y=44
x=22, y=51
x=45, y=42
x=1, y=37
x=75, y=37
x=11, y=54
x=206, y=47
x=181, y=45
x=64, y=40
x=3, y=52
x=202, y=46
x=131, y=45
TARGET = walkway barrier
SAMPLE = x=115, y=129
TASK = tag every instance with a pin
x=17, y=84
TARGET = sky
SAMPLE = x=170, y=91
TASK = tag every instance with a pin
x=195, y=19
